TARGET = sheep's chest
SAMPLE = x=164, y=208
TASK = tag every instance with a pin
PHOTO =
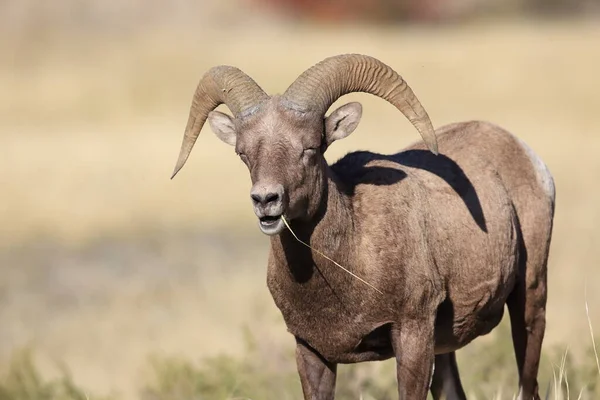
x=338, y=340
x=341, y=330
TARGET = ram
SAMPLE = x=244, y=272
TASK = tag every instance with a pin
x=410, y=255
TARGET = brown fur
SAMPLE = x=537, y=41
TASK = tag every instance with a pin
x=449, y=240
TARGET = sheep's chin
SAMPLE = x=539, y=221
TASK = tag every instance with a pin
x=273, y=228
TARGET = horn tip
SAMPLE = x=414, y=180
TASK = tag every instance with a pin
x=176, y=170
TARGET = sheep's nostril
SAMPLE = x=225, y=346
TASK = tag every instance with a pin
x=256, y=199
x=266, y=195
x=265, y=199
x=271, y=198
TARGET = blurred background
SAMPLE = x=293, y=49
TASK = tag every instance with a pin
x=118, y=282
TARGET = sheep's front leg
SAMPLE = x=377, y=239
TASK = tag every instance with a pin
x=413, y=343
x=317, y=376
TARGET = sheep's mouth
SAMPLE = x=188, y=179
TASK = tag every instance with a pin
x=269, y=220
x=271, y=224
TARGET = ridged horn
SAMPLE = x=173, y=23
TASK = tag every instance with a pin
x=321, y=85
x=220, y=85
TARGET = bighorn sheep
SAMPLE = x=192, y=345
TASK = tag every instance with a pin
x=445, y=240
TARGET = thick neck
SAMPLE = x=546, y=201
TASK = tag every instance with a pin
x=329, y=230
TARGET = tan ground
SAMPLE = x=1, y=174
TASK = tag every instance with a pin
x=106, y=260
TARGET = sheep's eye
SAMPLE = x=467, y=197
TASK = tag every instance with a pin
x=309, y=152
x=308, y=156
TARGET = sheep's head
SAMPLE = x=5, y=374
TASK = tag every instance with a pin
x=282, y=139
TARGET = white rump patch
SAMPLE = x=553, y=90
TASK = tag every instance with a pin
x=542, y=172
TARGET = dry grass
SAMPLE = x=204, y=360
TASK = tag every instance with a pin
x=90, y=129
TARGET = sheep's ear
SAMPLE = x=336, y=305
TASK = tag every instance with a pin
x=342, y=122
x=222, y=125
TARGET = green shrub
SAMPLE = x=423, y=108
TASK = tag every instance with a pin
x=23, y=381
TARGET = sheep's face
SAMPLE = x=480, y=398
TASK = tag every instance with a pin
x=283, y=149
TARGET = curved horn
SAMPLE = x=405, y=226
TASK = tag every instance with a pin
x=322, y=84
x=220, y=85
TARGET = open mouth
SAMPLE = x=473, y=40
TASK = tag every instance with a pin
x=271, y=224
x=269, y=220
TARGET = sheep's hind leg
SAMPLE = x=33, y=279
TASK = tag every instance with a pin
x=446, y=383
x=527, y=308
